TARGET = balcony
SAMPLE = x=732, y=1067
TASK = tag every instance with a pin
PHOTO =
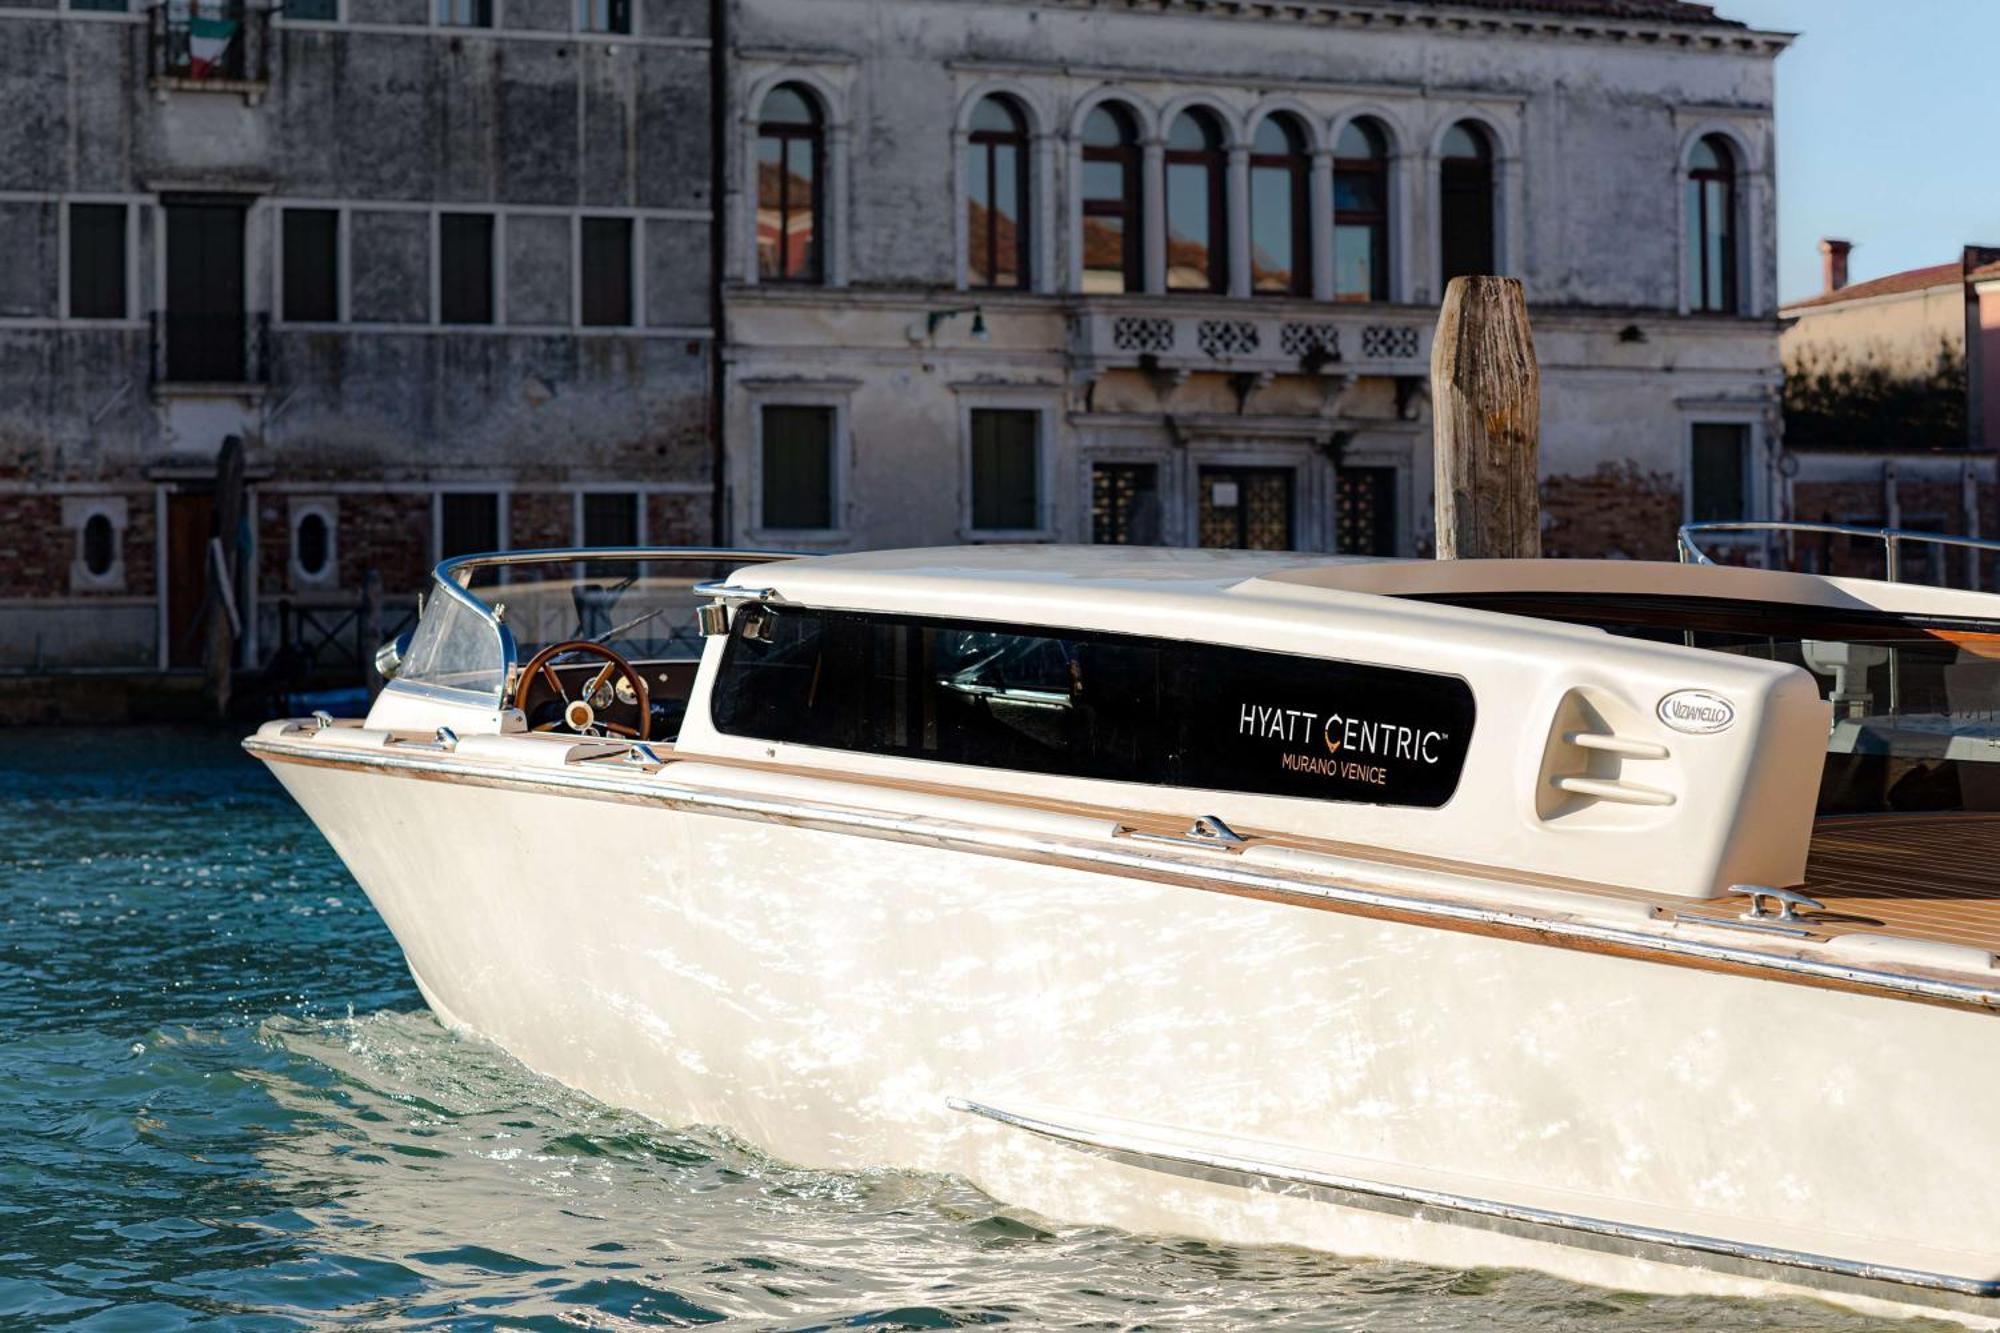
x=1237, y=338
x=208, y=46
x=216, y=354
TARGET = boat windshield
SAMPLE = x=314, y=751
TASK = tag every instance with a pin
x=1916, y=702
x=489, y=614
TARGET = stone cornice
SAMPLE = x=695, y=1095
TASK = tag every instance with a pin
x=1455, y=19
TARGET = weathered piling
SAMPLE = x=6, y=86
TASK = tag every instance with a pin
x=1486, y=408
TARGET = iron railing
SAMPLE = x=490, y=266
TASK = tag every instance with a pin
x=1893, y=541
x=221, y=42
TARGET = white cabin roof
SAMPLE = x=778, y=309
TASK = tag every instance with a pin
x=948, y=579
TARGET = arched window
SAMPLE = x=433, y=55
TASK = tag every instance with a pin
x=1113, y=249
x=1280, y=184
x=1711, y=226
x=1361, y=213
x=100, y=545
x=1197, y=204
x=1465, y=202
x=791, y=141
x=996, y=196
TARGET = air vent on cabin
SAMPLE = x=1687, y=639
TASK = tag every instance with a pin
x=1600, y=756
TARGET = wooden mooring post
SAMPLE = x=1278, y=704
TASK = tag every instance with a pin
x=1486, y=409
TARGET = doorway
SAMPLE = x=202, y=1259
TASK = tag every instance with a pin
x=206, y=330
x=190, y=524
x=1365, y=513
x=1247, y=508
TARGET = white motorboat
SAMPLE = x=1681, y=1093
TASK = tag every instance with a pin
x=1633, y=922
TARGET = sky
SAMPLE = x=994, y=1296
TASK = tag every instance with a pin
x=1885, y=131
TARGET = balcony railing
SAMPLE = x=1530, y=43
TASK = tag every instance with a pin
x=232, y=349
x=1330, y=341
x=213, y=43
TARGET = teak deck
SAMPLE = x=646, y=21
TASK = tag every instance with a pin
x=1931, y=876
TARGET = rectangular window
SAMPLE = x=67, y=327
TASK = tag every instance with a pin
x=1719, y=466
x=465, y=13
x=604, y=15
x=468, y=523
x=102, y=6
x=465, y=268
x=97, y=261
x=1086, y=704
x=610, y=518
x=317, y=11
x=607, y=271
x=798, y=468
x=1006, y=469
x=312, y=268
x=1365, y=513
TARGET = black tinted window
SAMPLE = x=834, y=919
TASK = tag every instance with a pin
x=1084, y=704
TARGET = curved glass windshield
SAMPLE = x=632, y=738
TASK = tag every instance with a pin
x=641, y=607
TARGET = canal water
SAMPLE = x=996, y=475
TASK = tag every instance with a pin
x=223, y=1105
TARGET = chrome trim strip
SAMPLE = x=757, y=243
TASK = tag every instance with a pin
x=1656, y=1244
x=655, y=788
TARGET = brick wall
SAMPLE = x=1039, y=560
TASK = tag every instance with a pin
x=538, y=519
x=389, y=533
x=141, y=535
x=35, y=550
x=1617, y=511
x=678, y=520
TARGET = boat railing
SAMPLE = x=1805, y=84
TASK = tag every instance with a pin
x=464, y=644
x=1893, y=541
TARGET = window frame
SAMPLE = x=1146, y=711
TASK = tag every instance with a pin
x=1213, y=161
x=1753, y=489
x=1043, y=412
x=78, y=511
x=66, y=261
x=634, y=258
x=1487, y=165
x=611, y=8
x=785, y=133
x=1381, y=248
x=283, y=304
x=496, y=244
x=1694, y=217
x=839, y=452
x=1297, y=164
x=982, y=149
x=326, y=510
x=501, y=497
x=1129, y=209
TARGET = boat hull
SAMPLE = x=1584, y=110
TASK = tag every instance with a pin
x=1230, y=1064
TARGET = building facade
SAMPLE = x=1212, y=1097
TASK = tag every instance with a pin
x=442, y=267
x=1087, y=271
x=1893, y=411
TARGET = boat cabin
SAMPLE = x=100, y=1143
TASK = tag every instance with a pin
x=1666, y=731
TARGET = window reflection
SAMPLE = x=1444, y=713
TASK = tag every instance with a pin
x=1361, y=213
x=1197, y=210
x=1112, y=247
x=1280, y=253
x=790, y=147
x=997, y=196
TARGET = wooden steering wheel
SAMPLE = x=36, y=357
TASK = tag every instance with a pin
x=583, y=714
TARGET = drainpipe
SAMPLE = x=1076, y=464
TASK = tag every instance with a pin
x=718, y=144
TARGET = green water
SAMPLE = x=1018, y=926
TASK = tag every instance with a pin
x=223, y=1105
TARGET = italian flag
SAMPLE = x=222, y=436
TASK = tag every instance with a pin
x=208, y=41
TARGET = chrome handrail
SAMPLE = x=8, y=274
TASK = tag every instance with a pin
x=1892, y=539
x=452, y=576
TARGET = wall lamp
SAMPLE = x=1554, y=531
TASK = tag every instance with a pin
x=921, y=330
